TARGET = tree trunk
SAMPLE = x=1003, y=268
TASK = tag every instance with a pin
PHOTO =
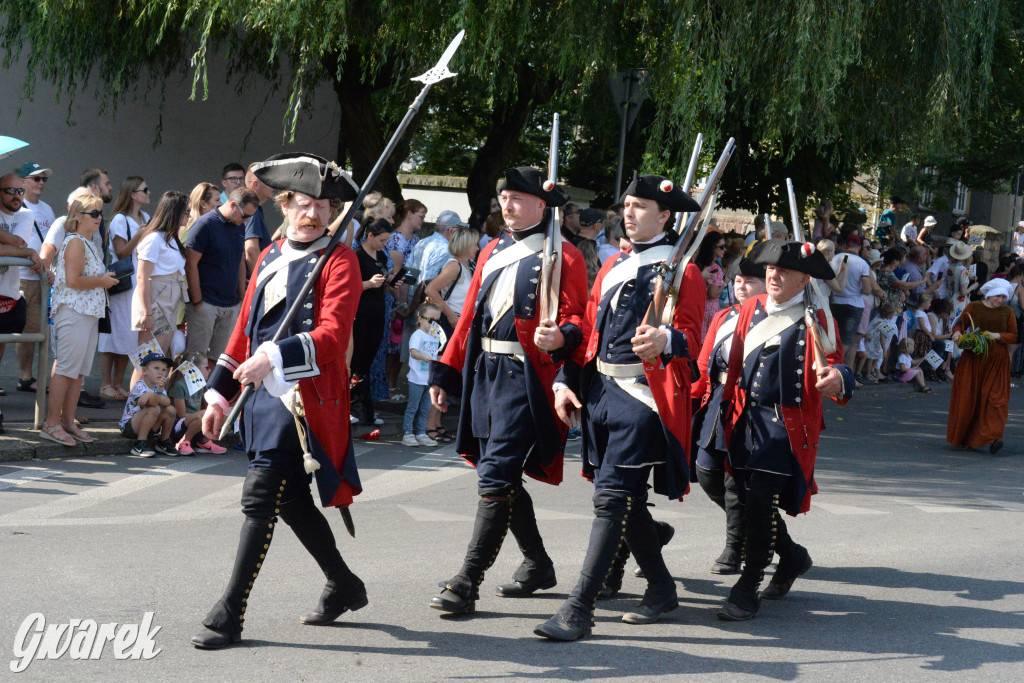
x=507, y=123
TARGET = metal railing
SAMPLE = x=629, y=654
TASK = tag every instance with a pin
x=40, y=339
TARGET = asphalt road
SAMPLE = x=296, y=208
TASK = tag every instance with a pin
x=917, y=552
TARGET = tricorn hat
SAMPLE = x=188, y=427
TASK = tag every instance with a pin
x=662, y=190
x=802, y=257
x=749, y=265
x=530, y=180
x=308, y=174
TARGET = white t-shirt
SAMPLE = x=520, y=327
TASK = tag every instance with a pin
x=166, y=258
x=43, y=213
x=419, y=370
x=905, y=360
x=856, y=268
x=124, y=227
x=938, y=271
x=1018, y=243
x=909, y=233
x=921, y=318
x=22, y=224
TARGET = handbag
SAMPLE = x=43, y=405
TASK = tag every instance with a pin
x=123, y=269
x=104, y=324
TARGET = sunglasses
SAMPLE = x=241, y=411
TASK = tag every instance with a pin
x=15, y=191
x=429, y=319
x=143, y=189
x=95, y=213
x=245, y=215
x=38, y=178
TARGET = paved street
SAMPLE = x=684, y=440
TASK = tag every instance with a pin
x=917, y=552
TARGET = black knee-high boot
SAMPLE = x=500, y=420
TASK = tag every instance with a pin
x=607, y=533
x=794, y=561
x=645, y=542
x=261, y=499
x=493, y=513
x=537, y=571
x=761, y=528
x=344, y=590
x=613, y=584
x=721, y=488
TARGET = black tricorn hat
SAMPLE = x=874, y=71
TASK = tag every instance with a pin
x=749, y=265
x=530, y=180
x=803, y=257
x=308, y=174
x=662, y=190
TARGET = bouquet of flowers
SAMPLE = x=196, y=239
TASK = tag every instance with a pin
x=975, y=341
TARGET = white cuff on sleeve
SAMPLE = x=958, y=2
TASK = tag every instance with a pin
x=559, y=385
x=275, y=382
x=214, y=398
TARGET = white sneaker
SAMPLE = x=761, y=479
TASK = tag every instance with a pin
x=425, y=440
x=353, y=419
x=378, y=421
x=410, y=440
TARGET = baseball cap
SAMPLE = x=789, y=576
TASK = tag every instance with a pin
x=32, y=168
x=447, y=219
x=591, y=216
x=150, y=357
x=853, y=239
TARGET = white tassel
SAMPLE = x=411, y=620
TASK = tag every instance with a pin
x=309, y=463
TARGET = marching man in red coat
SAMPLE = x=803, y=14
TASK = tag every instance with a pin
x=634, y=392
x=776, y=385
x=296, y=422
x=504, y=355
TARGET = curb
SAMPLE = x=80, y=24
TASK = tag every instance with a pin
x=25, y=444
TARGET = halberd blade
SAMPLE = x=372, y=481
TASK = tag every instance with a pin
x=440, y=70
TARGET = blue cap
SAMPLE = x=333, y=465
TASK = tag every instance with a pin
x=150, y=357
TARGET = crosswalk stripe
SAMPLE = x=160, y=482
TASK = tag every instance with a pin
x=426, y=515
x=19, y=477
x=943, y=509
x=550, y=515
x=428, y=470
x=837, y=509
x=41, y=515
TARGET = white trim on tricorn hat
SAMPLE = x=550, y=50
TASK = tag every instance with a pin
x=308, y=174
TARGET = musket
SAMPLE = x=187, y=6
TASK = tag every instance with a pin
x=667, y=270
x=547, y=301
x=767, y=227
x=691, y=171
x=438, y=73
x=810, y=317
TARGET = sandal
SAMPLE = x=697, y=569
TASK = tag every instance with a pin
x=57, y=434
x=925, y=390
x=440, y=435
x=27, y=385
x=109, y=391
x=81, y=420
x=78, y=435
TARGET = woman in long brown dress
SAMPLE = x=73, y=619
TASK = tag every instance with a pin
x=980, y=401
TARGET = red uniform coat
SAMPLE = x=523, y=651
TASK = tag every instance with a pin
x=804, y=422
x=325, y=396
x=461, y=351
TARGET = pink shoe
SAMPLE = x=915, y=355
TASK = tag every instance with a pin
x=184, y=448
x=209, y=447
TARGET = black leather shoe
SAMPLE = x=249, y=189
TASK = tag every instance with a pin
x=724, y=568
x=648, y=614
x=522, y=589
x=89, y=401
x=996, y=446
x=778, y=588
x=557, y=628
x=208, y=639
x=316, y=617
x=453, y=603
x=731, y=612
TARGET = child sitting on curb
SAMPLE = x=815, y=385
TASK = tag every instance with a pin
x=189, y=410
x=149, y=408
x=908, y=367
x=423, y=348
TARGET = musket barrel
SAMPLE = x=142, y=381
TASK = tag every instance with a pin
x=794, y=214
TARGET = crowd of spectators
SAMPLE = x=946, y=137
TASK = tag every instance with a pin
x=123, y=278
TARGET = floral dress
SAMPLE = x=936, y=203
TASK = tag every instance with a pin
x=404, y=245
